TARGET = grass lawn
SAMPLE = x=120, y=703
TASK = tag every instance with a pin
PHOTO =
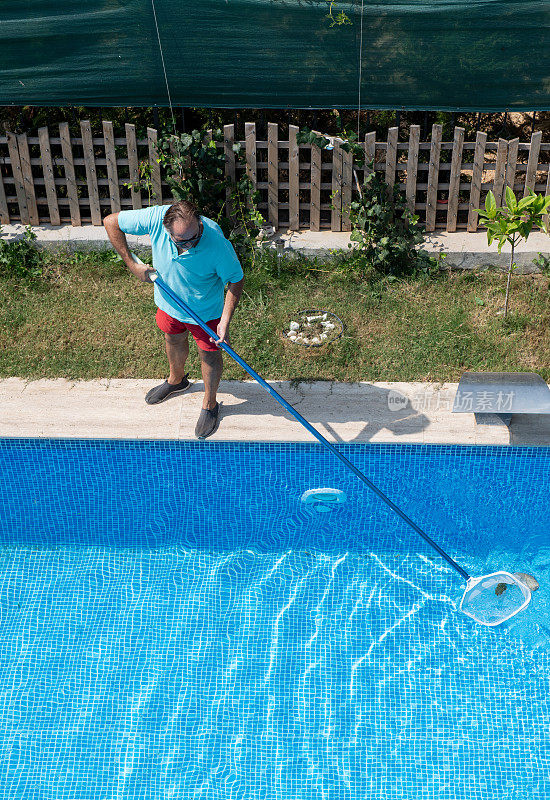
x=93, y=319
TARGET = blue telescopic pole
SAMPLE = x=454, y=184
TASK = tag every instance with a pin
x=155, y=277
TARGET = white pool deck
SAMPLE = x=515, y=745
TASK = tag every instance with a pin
x=362, y=412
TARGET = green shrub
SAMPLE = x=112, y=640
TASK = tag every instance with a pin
x=542, y=261
x=20, y=259
x=386, y=232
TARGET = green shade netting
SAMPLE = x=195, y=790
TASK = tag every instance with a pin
x=439, y=54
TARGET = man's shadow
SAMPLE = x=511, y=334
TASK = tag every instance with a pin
x=327, y=404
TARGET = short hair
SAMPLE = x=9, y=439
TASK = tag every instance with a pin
x=184, y=210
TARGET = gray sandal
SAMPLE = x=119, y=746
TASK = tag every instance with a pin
x=159, y=393
x=207, y=422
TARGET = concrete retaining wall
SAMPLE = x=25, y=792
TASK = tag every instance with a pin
x=462, y=250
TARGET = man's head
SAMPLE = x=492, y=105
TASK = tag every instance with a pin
x=183, y=223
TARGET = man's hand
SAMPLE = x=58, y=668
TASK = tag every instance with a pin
x=146, y=275
x=223, y=333
x=231, y=300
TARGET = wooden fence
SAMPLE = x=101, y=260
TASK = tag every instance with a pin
x=58, y=178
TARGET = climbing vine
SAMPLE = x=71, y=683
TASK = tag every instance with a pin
x=385, y=234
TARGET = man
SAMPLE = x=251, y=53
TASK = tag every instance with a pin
x=195, y=259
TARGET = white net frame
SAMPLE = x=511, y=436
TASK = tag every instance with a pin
x=486, y=586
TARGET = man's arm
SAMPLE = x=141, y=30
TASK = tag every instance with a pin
x=234, y=291
x=119, y=242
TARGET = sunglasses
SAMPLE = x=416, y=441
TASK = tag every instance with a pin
x=182, y=242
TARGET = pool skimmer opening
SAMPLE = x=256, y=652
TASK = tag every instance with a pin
x=323, y=499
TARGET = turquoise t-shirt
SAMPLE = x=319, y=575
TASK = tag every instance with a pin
x=199, y=275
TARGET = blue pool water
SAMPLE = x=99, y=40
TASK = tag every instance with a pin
x=176, y=624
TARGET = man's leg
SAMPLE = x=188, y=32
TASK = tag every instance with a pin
x=211, y=367
x=177, y=350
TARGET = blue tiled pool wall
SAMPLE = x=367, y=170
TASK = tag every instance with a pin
x=224, y=496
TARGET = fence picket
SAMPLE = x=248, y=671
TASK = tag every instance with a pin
x=370, y=150
x=250, y=144
x=68, y=166
x=112, y=171
x=511, y=163
x=228, y=142
x=454, y=179
x=28, y=182
x=174, y=152
x=4, y=210
x=91, y=175
x=293, y=179
x=391, y=156
x=433, y=177
x=336, y=199
x=49, y=177
x=500, y=170
x=315, y=198
x=133, y=165
x=533, y=161
x=412, y=166
x=13, y=150
x=273, y=174
x=156, y=181
x=347, y=178
x=547, y=216
x=475, y=187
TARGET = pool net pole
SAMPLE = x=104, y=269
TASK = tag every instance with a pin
x=155, y=277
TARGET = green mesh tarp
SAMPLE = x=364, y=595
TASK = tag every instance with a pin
x=429, y=54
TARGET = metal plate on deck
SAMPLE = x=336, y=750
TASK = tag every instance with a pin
x=502, y=393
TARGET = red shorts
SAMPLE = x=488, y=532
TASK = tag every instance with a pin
x=168, y=324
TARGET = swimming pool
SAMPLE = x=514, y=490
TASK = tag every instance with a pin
x=176, y=623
